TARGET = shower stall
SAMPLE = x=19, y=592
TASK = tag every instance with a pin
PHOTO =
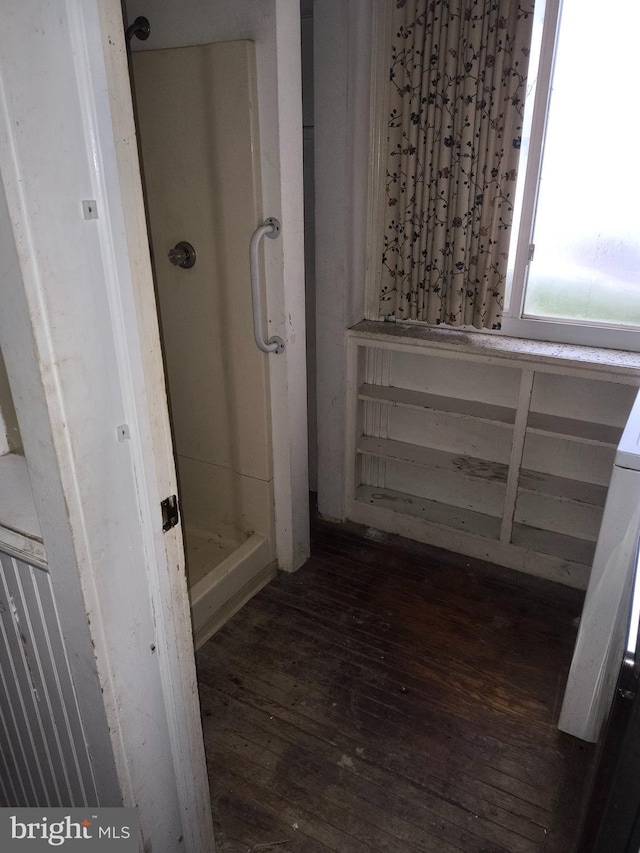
x=196, y=112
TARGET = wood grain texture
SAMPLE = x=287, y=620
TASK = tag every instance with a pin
x=393, y=697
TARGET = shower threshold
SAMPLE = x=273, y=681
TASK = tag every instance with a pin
x=224, y=570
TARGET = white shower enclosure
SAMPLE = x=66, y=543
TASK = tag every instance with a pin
x=197, y=120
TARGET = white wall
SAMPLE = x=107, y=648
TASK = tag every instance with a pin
x=342, y=49
x=274, y=25
x=178, y=23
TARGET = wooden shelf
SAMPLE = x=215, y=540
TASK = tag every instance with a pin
x=437, y=403
x=570, y=518
x=583, y=431
x=428, y=457
x=504, y=454
x=562, y=487
x=556, y=544
x=444, y=515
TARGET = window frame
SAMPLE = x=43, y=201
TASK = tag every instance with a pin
x=536, y=111
x=514, y=322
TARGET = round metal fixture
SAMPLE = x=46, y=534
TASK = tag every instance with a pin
x=183, y=255
x=275, y=228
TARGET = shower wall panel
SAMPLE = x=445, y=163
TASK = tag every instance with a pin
x=197, y=118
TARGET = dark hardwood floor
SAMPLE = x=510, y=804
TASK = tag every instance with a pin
x=392, y=697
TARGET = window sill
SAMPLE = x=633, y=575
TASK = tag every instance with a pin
x=497, y=347
x=574, y=334
x=20, y=533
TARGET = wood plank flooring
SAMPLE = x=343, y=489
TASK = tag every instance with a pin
x=393, y=697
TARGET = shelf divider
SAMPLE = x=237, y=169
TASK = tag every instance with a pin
x=517, y=450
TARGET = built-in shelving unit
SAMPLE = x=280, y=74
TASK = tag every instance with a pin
x=499, y=451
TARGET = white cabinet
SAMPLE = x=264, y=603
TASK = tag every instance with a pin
x=489, y=446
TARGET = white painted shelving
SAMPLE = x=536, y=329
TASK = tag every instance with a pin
x=493, y=447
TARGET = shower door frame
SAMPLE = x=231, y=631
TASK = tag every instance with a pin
x=275, y=27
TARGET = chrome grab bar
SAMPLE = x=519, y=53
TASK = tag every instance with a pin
x=271, y=229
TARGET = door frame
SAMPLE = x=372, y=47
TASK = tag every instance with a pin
x=285, y=284
x=153, y=458
x=274, y=26
x=284, y=274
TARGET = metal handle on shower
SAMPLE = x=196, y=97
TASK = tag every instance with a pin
x=271, y=228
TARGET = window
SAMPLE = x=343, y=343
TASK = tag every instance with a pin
x=575, y=273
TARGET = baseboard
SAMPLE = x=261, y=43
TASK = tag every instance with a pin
x=230, y=607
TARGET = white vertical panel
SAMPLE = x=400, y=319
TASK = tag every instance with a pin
x=342, y=64
x=44, y=758
x=204, y=186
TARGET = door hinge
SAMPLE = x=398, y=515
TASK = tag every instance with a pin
x=170, y=514
x=532, y=248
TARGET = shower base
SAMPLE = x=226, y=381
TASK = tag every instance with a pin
x=223, y=573
x=207, y=549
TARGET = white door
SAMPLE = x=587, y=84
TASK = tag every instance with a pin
x=79, y=336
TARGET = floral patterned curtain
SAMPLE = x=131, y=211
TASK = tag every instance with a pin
x=458, y=81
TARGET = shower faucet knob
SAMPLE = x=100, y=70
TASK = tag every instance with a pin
x=183, y=255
